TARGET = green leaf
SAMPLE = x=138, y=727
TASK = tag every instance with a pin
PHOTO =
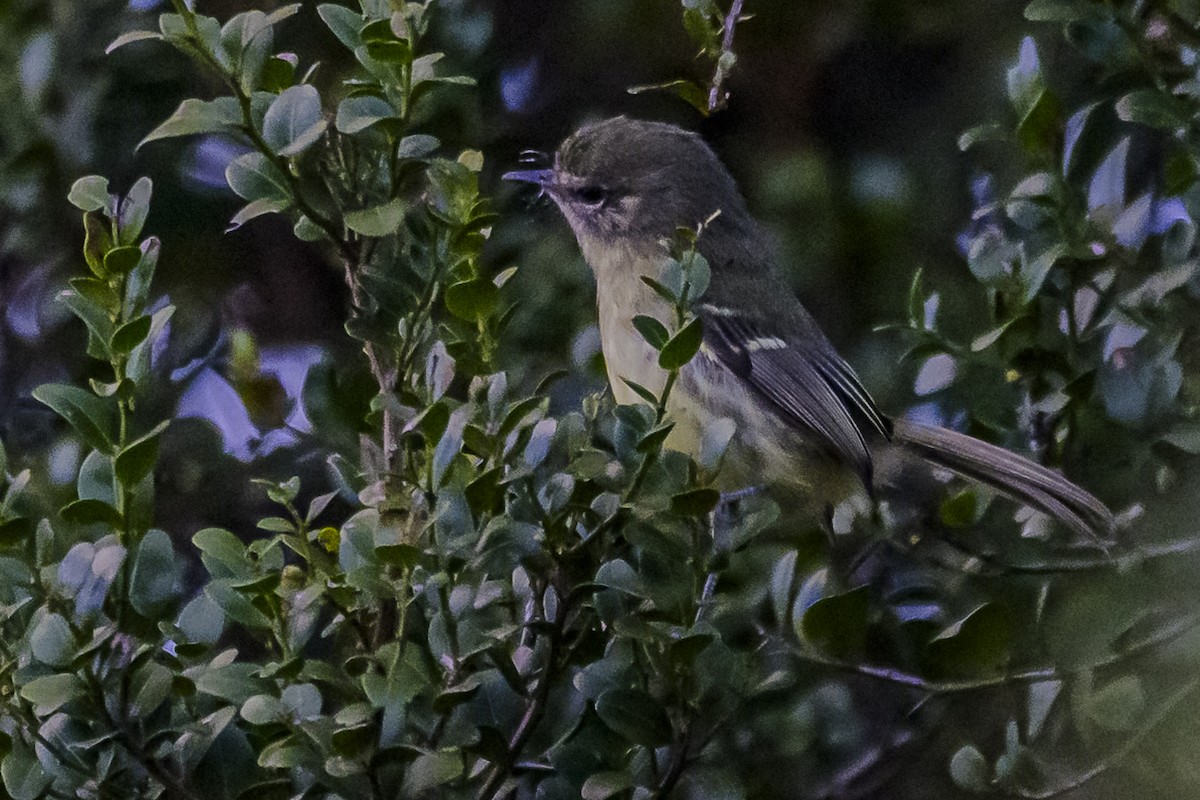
x=344, y=23
x=294, y=121
x=15, y=532
x=302, y=701
x=263, y=709
x=977, y=643
x=93, y=313
x=121, y=260
x=540, y=439
x=89, y=193
x=52, y=641
x=129, y=37
x=1034, y=272
x=276, y=524
x=618, y=574
x=222, y=115
x=358, y=113
x=472, y=300
x=641, y=391
x=257, y=208
x=691, y=92
x=603, y=785
x=149, y=688
x=1041, y=699
x=201, y=620
x=695, y=502
x=235, y=605
x=962, y=509
x=305, y=229
x=989, y=132
x=652, y=331
x=96, y=242
x=279, y=72
x=837, y=624
x=155, y=574
x=223, y=554
x=1153, y=108
x=378, y=30
x=680, y=349
x=130, y=335
x=396, y=51
x=431, y=770
x=635, y=715
x=660, y=290
x=653, y=440
x=382, y=220
x=1025, y=81
x=1040, y=125
x=1060, y=10
x=133, y=211
x=90, y=416
x=418, y=145
x=253, y=177
x=89, y=511
x=50, y=692
x=24, y=776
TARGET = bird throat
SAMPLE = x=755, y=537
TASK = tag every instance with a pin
x=620, y=296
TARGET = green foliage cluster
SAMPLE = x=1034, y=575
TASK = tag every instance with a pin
x=711, y=29
x=550, y=604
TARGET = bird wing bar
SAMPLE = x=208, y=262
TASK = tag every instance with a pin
x=808, y=387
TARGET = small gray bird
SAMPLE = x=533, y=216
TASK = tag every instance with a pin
x=803, y=419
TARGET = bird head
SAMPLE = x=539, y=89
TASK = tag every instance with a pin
x=631, y=182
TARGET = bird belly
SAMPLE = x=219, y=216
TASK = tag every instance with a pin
x=765, y=450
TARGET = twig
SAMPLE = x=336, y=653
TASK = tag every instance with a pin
x=534, y=710
x=679, y=762
x=1119, y=753
x=1113, y=560
x=715, y=98
x=902, y=678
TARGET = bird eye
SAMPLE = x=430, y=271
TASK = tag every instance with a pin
x=591, y=195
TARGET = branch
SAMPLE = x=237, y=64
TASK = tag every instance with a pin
x=716, y=99
x=535, y=709
x=902, y=678
x=1110, y=560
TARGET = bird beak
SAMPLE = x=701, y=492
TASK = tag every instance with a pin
x=539, y=177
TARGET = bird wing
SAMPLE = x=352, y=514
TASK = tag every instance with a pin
x=805, y=382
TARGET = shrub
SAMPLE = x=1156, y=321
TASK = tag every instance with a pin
x=489, y=597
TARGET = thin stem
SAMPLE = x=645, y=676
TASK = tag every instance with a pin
x=660, y=413
x=1107, y=561
x=1036, y=675
x=679, y=762
x=716, y=99
x=535, y=709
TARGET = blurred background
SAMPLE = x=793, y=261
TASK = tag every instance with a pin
x=841, y=130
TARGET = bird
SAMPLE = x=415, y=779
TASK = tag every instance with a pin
x=802, y=418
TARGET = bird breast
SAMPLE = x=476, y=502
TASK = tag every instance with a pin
x=764, y=447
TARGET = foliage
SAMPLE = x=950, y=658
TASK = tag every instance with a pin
x=492, y=596
x=712, y=31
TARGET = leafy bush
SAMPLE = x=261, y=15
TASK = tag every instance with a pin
x=489, y=597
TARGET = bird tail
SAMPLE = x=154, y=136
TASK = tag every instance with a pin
x=1008, y=473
